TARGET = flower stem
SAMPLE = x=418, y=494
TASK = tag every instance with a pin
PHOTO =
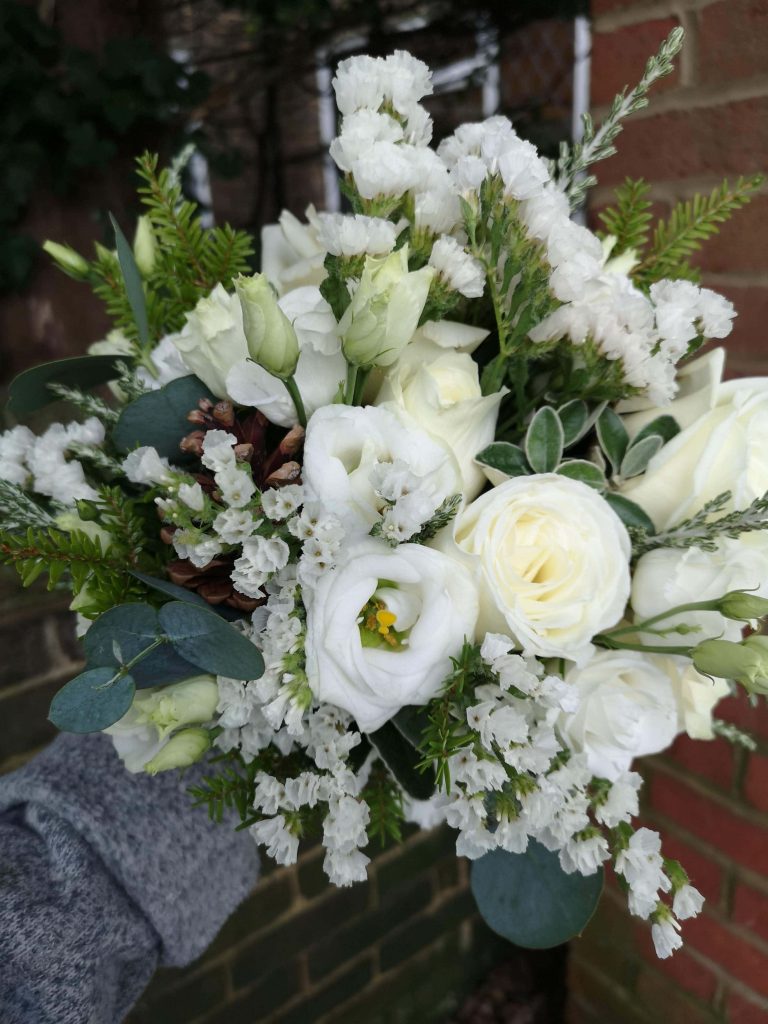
x=293, y=390
x=606, y=640
x=362, y=377
x=642, y=627
x=349, y=391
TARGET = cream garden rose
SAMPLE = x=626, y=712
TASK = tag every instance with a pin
x=383, y=626
x=627, y=708
x=725, y=449
x=552, y=563
x=440, y=390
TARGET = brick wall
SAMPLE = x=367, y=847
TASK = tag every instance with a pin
x=709, y=801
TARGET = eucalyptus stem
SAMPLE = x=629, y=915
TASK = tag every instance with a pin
x=124, y=670
x=293, y=390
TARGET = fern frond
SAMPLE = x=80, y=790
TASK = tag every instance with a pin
x=690, y=224
x=629, y=220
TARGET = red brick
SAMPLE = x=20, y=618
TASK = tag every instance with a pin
x=711, y=760
x=742, y=840
x=750, y=909
x=741, y=246
x=752, y=719
x=682, y=969
x=740, y=959
x=619, y=58
x=756, y=781
x=741, y=1010
x=728, y=139
x=605, y=6
x=733, y=40
x=663, y=1000
x=704, y=873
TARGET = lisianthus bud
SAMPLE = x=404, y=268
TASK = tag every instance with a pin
x=747, y=662
x=181, y=750
x=144, y=245
x=740, y=604
x=66, y=259
x=190, y=702
x=272, y=341
x=385, y=310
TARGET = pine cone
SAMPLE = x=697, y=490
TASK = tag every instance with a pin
x=212, y=582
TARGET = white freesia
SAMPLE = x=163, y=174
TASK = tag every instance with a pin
x=345, y=445
x=626, y=709
x=552, y=559
x=432, y=604
x=726, y=449
x=212, y=341
x=320, y=370
x=440, y=390
x=667, y=577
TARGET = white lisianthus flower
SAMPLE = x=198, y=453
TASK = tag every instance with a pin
x=552, y=560
x=291, y=255
x=382, y=627
x=440, y=391
x=626, y=709
x=667, y=577
x=319, y=372
x=385, y=310
x=345, y=445
x=696, y=695
x=458, y=270
x=725, y=449
x=213, y=340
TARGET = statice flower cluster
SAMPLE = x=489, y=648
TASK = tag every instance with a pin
x=44, y=463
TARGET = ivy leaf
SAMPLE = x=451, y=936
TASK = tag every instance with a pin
x=134, y=287
x=505, y=457
x=203, y=638
x=159, y=418
x=613, y=437
x=401, y=758
x=544, y=441
x=528, y=899
x=88, y=704
x=585, y=472
x=29, y=391
x=630, y=513
x=639, y=455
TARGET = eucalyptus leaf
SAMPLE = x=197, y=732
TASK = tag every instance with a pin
x=213, y=645
x=528, y=899
x=585, y=472
x=639, y=455
x=401, y=757
x=630, y=513
x=182, y=594
x=159, y=418
x=29, y=391
x=613, y=437
x=544, y=441
x=90, y=703
x=505, y=457
x=665, y=427
x=126, y=630
x=134, y=287
x=573, y=416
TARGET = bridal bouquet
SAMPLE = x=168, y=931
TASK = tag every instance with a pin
x=433, y=519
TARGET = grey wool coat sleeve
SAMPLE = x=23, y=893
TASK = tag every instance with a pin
x=103, y=876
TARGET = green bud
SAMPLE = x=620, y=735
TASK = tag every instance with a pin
x=272, y=341
x=144, y=245
x=190, y=702
x=746, y=662
x=66, y=259
x=181, y=750
x=740, y=604
x=385, y=310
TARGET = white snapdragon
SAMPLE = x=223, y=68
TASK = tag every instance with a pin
x=354, y=234
x=459, y=271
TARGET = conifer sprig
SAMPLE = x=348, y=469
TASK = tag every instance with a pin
x=702, y=531
x=629, y=220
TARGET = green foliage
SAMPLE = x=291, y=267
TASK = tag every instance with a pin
x=232, y=788
x=67, y=113
x=703, y=531
x=92, y=701
x=735, y=736
x=159, y=418
x=400, y=757
x=629, y=220
x=20, y=511
x=385, y=800
x=529, y=900
x=445, y=514
x=213, y=645
x=87, y=403
x=544, y=440
x=36, y=387
x=598, y=144
x=690, y=224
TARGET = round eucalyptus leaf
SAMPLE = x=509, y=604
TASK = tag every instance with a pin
x=528, y=899
x=29, y=391
x=90, y=702
x=159, y=418
x=205, y=639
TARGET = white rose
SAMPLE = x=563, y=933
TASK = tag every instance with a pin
x=696, y=696
x=319, y=372
x=668, y=577
x=213, y=340
x=552, y=559
x=440, y=390
x=627, y=709
x=725, y=449
x=345, y=444
x=417, y=606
